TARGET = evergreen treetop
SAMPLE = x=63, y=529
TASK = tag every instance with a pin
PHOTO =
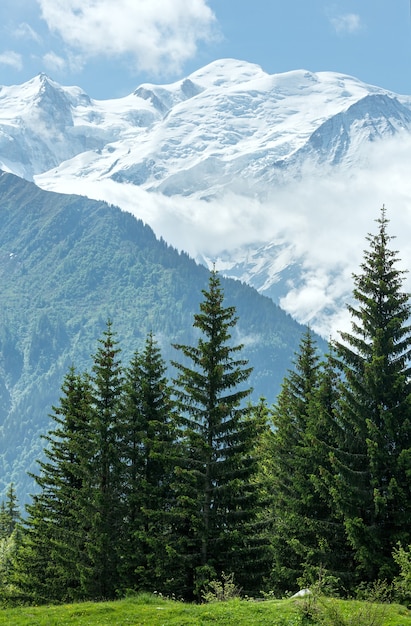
x=372, y=452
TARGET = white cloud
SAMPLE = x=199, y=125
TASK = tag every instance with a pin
x=322, y=220
x=12, y=59
x=349, y=23
x=53, y=62
x=25, y=31
x=160, y=35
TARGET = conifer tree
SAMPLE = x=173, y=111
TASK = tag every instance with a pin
x=51, y=559
x=216, y=498
x=107, y=509
x=9, y=513
x=71, y=543
x=10, y=541
x=293, y=496
x=331, y=555
x=148, y=436
x=372, y=456
x=308, y=538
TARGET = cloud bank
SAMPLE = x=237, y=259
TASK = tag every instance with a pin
x=159, y=35
x=320, y=222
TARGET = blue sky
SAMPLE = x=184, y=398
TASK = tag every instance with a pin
x=109, y=47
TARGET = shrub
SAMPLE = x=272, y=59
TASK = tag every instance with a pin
x=221, y=590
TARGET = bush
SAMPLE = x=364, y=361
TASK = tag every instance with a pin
x=221, y=590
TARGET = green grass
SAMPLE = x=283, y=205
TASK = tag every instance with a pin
x=151, y=611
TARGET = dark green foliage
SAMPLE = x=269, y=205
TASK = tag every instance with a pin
x=293, y=494
x=70, y=548
x=333, y=556
x=100, y=520
x=307, y=538
x=52, y=558
x=9, y=513
x=216, y=500
x=10, y=541
x=106, y=495
x=149, y=453
x=372, y=457
x=341, y=448
x=67, y=264
x=152, y=488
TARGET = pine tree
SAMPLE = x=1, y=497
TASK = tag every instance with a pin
x=107, y=509
x=52, y=555
x=9, y=513
x=333, y=555
x=215, y=491
x=293, y=496
x=10, y=541
x=307, y=537
x=372, y=457
x=149, y=447
x=73, y=530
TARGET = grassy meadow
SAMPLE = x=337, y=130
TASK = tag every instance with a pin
x=149, y=610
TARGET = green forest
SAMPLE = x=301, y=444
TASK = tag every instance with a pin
x=166, y=486
x=67, y=265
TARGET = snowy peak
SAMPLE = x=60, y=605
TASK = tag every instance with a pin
x=228, y=120
x=227, y=131
x=226, y=73
x=338, y=139
x=163, y=99
x=40, y=92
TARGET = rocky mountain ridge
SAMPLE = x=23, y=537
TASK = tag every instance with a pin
x=200, y=160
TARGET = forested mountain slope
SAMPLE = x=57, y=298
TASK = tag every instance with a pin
x=67, y=264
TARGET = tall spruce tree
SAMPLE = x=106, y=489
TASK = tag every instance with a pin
x=10, y=541
x=9, y=513
x=216, y=497
x=307, y=537
x=372, y=455
x=331, y=554
x=107, y=512
x=148, y=436
x=52, y=558
x=294, y=500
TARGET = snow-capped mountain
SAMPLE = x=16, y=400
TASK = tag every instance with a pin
x=194, y=136
x=203, y=159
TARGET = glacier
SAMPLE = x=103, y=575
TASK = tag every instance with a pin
x=275, y=178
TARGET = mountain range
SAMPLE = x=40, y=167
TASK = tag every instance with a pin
x=67, y=265
x=115, y=209
x=216, y=164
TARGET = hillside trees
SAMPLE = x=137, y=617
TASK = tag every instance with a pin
x=216, y=501
x=149, y=486
x=372, y=453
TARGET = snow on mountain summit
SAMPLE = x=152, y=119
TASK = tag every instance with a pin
x=229, y=121
x=229, y=117
x=228, y=130
x=226, y=72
